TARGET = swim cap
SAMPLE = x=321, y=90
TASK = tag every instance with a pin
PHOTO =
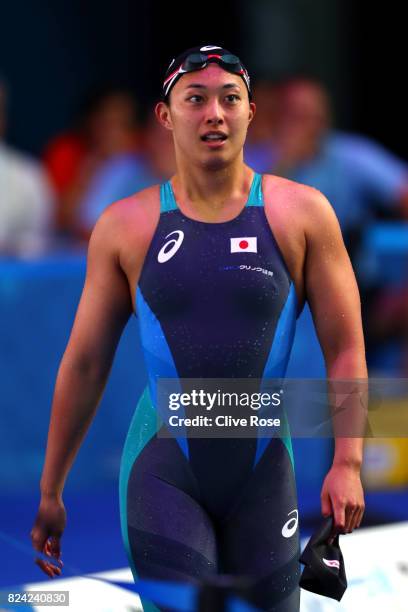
x=198, y=58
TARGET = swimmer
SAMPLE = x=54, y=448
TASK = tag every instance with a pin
x=188, y=258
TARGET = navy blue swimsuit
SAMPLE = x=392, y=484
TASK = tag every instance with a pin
x=214, y=300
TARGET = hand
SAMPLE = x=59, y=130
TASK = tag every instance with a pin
x=342, y=497
x=46, y=533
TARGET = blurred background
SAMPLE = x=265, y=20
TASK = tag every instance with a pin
x=78, y=82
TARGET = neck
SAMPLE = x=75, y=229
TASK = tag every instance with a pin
x=208, y=192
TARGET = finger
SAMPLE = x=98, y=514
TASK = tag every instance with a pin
x=360, y=516
x=45, y=567
x=47, y=548
x=48, y=551
x=48, y=568
x=326, y=505
x=348, y=516
x=351, y=514
x=339, y=518
x=53, y=551
x=55, y=547
x=56, y=571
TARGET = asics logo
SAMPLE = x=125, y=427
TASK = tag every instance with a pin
x=167, y=253
x=290, y=526
x=209, y=48
x=331, y=562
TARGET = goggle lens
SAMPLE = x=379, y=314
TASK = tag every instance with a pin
x=196, y=61
x=228, y=58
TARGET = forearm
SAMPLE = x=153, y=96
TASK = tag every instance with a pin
x=78, y=391
x=349, y=397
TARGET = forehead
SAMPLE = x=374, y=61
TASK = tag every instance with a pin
x=212, y=76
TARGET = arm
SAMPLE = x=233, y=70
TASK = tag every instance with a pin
x=103, y=311
x=334, y=300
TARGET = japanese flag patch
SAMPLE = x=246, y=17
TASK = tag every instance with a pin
x=244, y=245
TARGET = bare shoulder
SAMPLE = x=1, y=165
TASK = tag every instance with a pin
x=132, y=218
x=303, y=209
x=133, y=212
x=307, y=202
x=297, y=215
x=122, y=235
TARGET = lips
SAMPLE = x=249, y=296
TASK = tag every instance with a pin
x=214, y=136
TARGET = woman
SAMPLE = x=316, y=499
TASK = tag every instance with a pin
x=216, y=263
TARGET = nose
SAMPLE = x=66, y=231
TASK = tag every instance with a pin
x=214, y=112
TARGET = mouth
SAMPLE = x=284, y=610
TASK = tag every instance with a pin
x=214, y=139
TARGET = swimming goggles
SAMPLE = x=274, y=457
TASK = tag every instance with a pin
x=198, y=61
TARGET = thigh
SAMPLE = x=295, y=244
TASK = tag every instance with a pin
x=171, y=537
x=259, y=537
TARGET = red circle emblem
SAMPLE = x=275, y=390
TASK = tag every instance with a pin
x=243, y=244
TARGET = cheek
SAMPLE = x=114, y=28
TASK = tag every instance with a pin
x=185, y=127
x=240, y=123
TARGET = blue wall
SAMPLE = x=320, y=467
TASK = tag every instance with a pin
x=37, y=307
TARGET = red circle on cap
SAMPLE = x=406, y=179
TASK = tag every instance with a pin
x=243, y=244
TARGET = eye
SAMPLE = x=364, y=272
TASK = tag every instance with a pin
x=233, y=98
x=197, y=99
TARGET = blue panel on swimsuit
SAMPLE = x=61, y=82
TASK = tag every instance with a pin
x=159, y=360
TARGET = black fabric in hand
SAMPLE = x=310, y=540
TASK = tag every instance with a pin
x=324, y=572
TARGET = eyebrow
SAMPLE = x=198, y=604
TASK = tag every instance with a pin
x=201, y=86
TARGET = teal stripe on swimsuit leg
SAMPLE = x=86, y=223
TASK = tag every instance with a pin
x=255, y=197
x=142, y=428
x=277, y=363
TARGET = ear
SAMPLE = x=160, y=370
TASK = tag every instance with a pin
x=163, y=115
x=252, y=111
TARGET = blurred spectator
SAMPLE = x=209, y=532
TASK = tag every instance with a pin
x=122, y=175
x=26, y=199
x=387, y=332
x=107, y=129
x=352, y=171
x=159, y=149
x=63, y=157
x=260, y=146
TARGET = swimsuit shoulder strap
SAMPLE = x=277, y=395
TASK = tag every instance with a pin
x=255, y=197
x=167, y=200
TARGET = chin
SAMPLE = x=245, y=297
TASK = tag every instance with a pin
x=216, y=162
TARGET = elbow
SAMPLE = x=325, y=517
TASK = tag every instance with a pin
x=346, y=362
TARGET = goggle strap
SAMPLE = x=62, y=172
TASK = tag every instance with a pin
x=173, y=74
x=169, y=82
